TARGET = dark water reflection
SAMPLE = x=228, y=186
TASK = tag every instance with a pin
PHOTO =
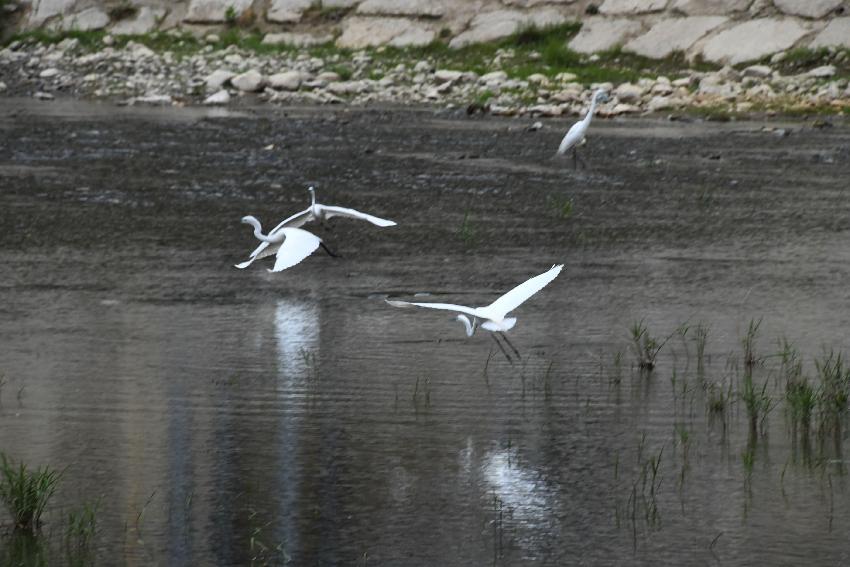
x=223, y=416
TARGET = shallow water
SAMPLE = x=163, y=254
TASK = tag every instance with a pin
x=221, y=416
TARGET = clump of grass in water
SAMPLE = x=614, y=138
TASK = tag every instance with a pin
x=757, y=401
x=701, y=337
x=25, y=492
x=645, y=346
x=467, y=231
x=748, y=342
x=81, y=530
x=833, y=397
x=560, y=205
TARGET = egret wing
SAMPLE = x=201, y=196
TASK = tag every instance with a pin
x=331, y=211
x=574, y=136
x=297, y=245
x=295, y=221
x=518, y=295
x=443, y=306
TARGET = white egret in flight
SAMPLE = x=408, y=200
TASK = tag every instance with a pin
x=315, y=212
x=494, y=316
x=576, y=135
x=291, y=245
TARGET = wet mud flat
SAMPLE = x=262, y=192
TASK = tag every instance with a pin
x=221, y=416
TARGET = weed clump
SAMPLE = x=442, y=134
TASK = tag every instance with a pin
x=25, y=492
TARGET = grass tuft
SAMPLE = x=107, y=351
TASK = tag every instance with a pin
x=25, y=492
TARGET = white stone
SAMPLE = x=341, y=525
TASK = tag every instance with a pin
x=624, y=108
x=808, y=8
x=43, y=10
x=709, y=7
x=443, y=75
x=3, y=86
x=419, y=8
x=146, y=20
x=599, y=34
x=753, y=40
x=660, y=88
x=489, y=26
x=836, y=33
x=657, y=103
x=493, y=77
x=87, y=20
x=49, y=73
x=152, y=99
x=628, y=92
x=296, y=39
x=139, y=51
x=40, y=95
x=359, y=32
x=287, y=81
x=214, y=11
x=538, y=79
x=822, y=71
x=220, y=97
x=759, y=71
x=675, y=34
x=287, y=11
x=249, y=81
x=218, y=79
x=631, y=6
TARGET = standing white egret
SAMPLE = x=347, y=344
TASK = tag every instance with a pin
x=576, y=134
x=315, y=211
x=494, y=316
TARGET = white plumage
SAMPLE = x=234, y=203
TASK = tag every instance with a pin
x=576, y=134
x=271, y=244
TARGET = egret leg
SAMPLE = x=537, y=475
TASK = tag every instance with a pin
x=329, y=251
x=510, y=344
x=575, y=157
x=501, y=348
x=583, y=161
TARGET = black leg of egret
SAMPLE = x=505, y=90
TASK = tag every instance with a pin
x=510, y=344
x=584, y=162
x=501, y=348
x=328, y=250
x=575, y=157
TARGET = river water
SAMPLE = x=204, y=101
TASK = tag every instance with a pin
x=223, y=417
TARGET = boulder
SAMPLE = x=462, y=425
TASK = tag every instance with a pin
x=628, y=92
x=808, y=8
x=599, y=34
x=249, y=81
x=836, y=33
x=87, y=20
x=359, y=32
x=220, y=97
x=218, y=79
x=215, y=11
x=709, y=7
x=43, y=10
x=287, y=11
x=146, y=20
x=631, y=6
x=675, y=34
x=822, y=72
x=287, y=81
x=443, y=75
x=758, y=71
x=296, y=39
x=490, y=26
x=753, y=40
x=418, y=8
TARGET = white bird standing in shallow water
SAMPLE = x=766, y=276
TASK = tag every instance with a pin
x=271, y=243
x=576, y=135
x=494, y=315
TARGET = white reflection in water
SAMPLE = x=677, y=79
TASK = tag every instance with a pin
x=296, y=326
x=297, y=333
x=522, y=490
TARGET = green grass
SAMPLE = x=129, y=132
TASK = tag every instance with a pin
x=25, y=492
x=645, y=346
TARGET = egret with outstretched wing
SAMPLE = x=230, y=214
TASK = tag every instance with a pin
x=494, y=316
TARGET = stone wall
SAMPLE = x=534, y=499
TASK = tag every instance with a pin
x=723, y=31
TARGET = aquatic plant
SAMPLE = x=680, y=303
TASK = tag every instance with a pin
x=701, y=337
x=645, y=346
x=834, y=383
x=467, y=231
x=756, y=400
x=748, y=343
x=560, y=205
x=25, y=492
